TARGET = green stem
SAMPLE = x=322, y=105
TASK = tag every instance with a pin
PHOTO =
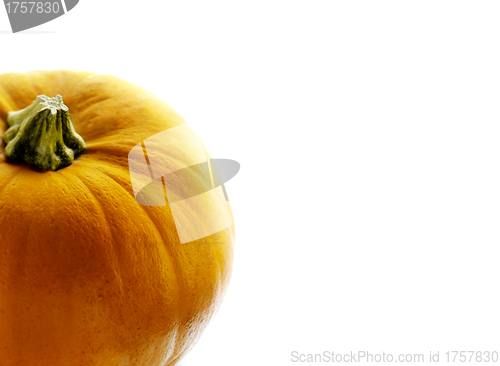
x=43, y=135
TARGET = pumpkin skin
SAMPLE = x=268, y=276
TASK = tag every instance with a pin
x=87, y=275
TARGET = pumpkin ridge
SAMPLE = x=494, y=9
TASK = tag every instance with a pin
x=175, y=260
x=179, y=279
x=34, y=75
x=105, y=172
x=94, y=101
x=114, y=257
x=9, y=181
x=81, y=81
x=146, y=211
x=176, y=267
x=32, y=83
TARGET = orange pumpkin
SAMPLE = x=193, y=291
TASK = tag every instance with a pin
x=88, y=275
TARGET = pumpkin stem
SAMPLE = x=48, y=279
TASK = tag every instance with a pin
x=43, y=135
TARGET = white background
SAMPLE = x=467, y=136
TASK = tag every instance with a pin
x=367, y=207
